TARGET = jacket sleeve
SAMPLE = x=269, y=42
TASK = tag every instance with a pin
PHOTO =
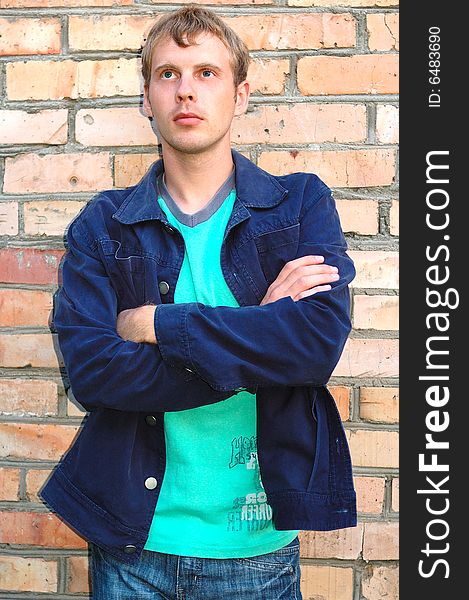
x=285, y=342
x=104, y=370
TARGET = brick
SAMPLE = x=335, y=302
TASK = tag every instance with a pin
x=369, y=358
x=78, y=579
x=38, y=529
x=381, y=541
x=370, y=494
x=29, y=350
x=339, y=543
x=130, y=168
x=358, y=74
x=114, y=127
x=34, y=441
x=373, y=448
x=108, y=32
x=301, y=123
x=376, y=312
x=74, y=408
x=338, y=168
x=50, y=217
x=379, y=582
x=29, y=36
x=379, y=404
x=387, y=124
x=55, y=173
x=9, y=485
x=215, y=2
x=18, y=574
x=268, y=76
x=376, y=269
x=394, y=218
x=20, y=308
x=65, y=3
x=35, y=480
x=43, y=127
x=299, y=31
x=55, y=80
x=341, y=394
x=325, y=582
x=8, y=218
x=28, y=397
x=395, y=494
x=383, y=31
x=29, y=265
x=358, y=216
x=354, y=3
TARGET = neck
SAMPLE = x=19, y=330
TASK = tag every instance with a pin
x=193, y=179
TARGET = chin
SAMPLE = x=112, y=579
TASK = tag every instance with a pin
x=192, y=146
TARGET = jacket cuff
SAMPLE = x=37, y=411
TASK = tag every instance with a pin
x=171, y=335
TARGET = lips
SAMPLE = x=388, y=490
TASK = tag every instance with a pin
x=187, y=118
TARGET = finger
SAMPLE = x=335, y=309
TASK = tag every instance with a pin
x=311, y=292
x=294, y=285
x=307, y=282
x=291, y=265
x=307, y=259
x=303, y=273
x=293, y=270
x=307, y=270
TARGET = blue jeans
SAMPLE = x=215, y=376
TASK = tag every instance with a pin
x=273, y=576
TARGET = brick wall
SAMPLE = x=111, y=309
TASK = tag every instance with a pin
x=325, y=100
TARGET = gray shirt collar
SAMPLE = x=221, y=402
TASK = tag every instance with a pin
x=204, y=213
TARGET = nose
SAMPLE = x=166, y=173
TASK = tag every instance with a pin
x=185, y=90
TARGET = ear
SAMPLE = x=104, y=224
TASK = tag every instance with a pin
x=146, y=102
x=242, y=98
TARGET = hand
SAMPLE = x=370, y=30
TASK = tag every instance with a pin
x=301, y=277
x=137, y=324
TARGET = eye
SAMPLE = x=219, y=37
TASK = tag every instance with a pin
x=207, y=73
x=167, y=74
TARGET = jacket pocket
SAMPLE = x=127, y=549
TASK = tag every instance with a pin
x=320, y=470
x=332, y=470
x=276, y=248
x=125, y=268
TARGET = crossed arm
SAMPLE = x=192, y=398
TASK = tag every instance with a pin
x=299, y=278
x=179, y=356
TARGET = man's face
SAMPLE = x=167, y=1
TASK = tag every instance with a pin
x=192, y=96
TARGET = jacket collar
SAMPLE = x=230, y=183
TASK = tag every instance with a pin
x=254, y=187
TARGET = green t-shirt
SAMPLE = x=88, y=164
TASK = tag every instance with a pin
x=212, y=503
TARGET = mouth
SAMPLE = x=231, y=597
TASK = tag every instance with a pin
x=187, y=119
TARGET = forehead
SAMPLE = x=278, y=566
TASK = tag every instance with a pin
x=207, y=48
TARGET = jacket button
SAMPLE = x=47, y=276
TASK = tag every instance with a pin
x=150, y=483
x=150, y=420
x=130, y=549
x=164, y=287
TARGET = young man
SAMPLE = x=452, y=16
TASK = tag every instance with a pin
x=201, y=315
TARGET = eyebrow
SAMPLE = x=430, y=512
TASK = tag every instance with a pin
x=204, y=65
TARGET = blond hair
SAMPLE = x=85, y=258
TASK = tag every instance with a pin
x=183, y=26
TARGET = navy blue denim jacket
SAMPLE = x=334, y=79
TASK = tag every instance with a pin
x=122, y=253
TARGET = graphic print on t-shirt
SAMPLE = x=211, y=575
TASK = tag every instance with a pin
x=244, y=452
x=250, y=512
